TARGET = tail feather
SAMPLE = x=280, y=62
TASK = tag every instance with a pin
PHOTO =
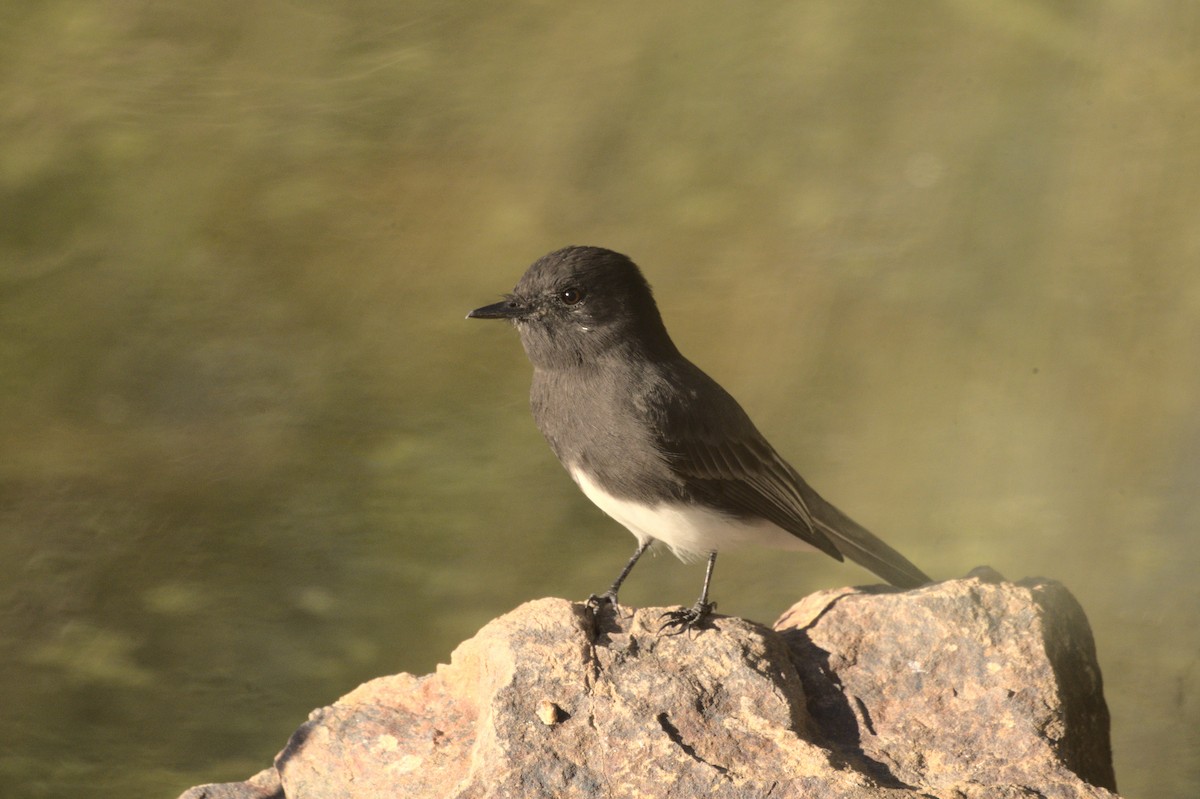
x=861, y=546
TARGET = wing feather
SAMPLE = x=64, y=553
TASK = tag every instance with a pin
x=724, y=462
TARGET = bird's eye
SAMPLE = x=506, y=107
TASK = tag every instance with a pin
x=570, y=296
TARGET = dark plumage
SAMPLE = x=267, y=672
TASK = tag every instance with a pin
x=653, y=440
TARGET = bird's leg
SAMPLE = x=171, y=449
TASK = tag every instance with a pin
x=610, y=596
x=694, y=616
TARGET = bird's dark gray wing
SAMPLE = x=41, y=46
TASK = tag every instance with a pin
x=728, y=465
x=708, y=440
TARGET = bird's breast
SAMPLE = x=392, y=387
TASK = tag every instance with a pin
x=594, y=420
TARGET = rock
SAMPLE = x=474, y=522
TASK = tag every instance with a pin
x=263, y=785
x=958, y=684
x=964, y=689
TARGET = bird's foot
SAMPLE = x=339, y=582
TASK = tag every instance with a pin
x=603, y=611
x=693, y=618
x=609, y=598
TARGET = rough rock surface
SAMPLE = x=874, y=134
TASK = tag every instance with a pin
x=963, y=689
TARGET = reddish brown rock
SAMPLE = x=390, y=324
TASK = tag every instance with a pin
x=263, y=785
x=961, y=689
x=961, y=683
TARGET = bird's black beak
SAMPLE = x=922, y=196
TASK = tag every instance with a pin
x=510, y=308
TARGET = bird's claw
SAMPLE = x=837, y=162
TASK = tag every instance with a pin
x=677, y=621
x=609, y=597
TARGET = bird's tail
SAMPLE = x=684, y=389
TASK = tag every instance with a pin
x=861, y=546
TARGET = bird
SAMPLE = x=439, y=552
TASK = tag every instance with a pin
x=652, y=440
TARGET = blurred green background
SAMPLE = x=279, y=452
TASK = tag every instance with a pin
x=946, y=254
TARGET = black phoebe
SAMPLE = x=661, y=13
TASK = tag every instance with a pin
x=656, y=443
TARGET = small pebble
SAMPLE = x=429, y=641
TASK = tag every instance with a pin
x=549, y=713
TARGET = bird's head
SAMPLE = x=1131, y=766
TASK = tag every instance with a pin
x=577, y=303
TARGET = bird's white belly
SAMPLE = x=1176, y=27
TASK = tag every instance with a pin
x=689, y=530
